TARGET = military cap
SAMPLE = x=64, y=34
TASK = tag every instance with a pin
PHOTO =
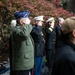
x=22, y=14
x=51, y=19
x=40, y=18
x=68, y=25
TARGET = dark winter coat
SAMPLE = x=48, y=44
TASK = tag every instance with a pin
x=65, y=60
x=37, y=36
x=59, y=40
x=50, y=38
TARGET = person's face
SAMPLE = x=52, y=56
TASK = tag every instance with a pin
x=51, y=23
x=61, y=21
x=39, y=23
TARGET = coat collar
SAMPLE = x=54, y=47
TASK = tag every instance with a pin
x=71, y=44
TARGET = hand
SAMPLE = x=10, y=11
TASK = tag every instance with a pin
x=27, y=21
x=24, y=21
x=39, y=23
x=52, y=24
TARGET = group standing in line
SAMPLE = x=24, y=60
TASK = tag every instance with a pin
x=27, y=44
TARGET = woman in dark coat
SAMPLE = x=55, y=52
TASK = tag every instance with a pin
x=50, y=42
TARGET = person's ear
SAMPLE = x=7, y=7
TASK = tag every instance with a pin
x=73, y=33
x=21, y=22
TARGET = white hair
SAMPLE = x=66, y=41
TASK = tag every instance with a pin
x=60, y=19
x=13, y=23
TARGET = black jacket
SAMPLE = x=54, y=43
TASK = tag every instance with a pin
x=50, y=38
x=37, y=36
x=59, y=39
x=65, y=60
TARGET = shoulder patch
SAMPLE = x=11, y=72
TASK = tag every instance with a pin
x=51, y=29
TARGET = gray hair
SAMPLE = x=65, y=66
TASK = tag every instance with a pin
x=13, y=23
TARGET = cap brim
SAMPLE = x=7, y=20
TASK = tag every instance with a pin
x=42, y=20
x=52, y=21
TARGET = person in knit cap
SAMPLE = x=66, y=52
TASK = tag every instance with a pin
x=50, y=42
x=37, y=36
x=65, y=56
x=22, y=49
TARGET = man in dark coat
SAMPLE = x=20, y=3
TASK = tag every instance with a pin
x=37, y=36
x=50, y=42
x=59, y=40
x=65, y=57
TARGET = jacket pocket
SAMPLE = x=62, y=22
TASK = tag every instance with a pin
x=28, y=55
x=39, y=48
x=28, y=41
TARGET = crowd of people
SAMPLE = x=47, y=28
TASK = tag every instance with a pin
x=30, y=42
